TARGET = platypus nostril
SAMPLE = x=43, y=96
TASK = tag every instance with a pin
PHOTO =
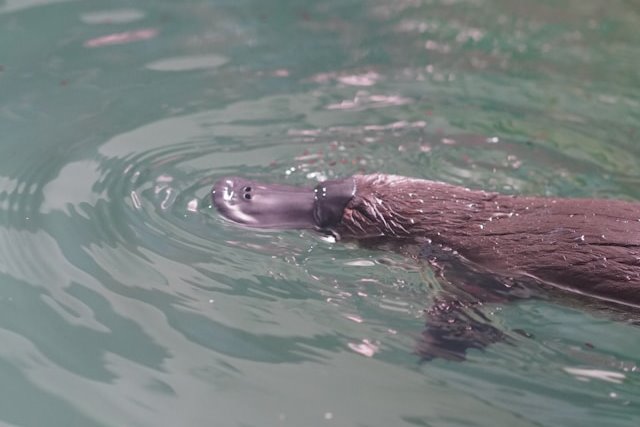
x=247, y=189
x=247, y=196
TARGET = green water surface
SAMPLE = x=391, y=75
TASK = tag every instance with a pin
x=126, y=301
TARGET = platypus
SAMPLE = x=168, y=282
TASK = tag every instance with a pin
x=499, y=247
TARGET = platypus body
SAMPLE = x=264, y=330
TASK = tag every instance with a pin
x=503, y=246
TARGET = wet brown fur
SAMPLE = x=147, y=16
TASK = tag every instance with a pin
x=588, y=246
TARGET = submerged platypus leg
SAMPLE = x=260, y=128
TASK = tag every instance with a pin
x=453, y=327
x=455, y=320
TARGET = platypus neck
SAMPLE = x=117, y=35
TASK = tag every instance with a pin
x=395, y=206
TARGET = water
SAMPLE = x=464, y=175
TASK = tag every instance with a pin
x=125, y=300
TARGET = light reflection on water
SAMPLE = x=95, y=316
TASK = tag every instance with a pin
x=127, y=301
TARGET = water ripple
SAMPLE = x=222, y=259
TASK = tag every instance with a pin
x=10, y=6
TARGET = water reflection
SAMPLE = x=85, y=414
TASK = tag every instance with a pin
x=114, y=16
x=10, y=6
x=122, y=38
x=186, y=63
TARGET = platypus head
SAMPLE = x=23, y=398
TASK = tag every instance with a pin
x=277, y=206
